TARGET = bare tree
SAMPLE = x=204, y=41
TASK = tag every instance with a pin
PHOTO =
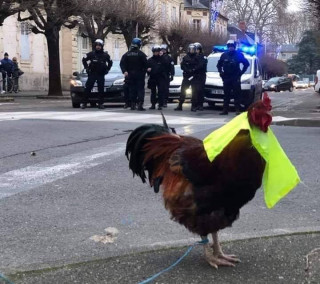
x=260, y=15
x=99, y=18
x=10, y=7
x=135, y=19
x=47, y=17
x=312, y=8
x=179, y=35
x=290, y=28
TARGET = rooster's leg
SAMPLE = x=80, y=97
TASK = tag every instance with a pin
x=218, y=253
x=213, y=259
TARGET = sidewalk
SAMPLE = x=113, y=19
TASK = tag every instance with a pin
x=33, y=94
x=264, y=260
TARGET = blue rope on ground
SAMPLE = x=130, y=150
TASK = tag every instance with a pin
x=5, y=279
x=203, y=242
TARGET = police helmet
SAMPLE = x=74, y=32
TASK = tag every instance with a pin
x=164, y=47
x=136, y=42
x=198, y=46
x=231, y=42
x=99, y=42
x=156, y=48
x=192, y=48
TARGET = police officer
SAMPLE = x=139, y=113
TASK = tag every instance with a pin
x=169, y=70
x=7, y=69
x=200, y=75
x=100, y=64
x=157, y=70
x=188, y=66
x=230, y=72
x=134, y=66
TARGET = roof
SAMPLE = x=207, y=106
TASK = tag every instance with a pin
x=289, y=48
x=201, y=4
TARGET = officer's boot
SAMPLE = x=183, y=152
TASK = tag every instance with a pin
x=140, y=107
x=179, y=107
x=193, y=108
x=126, y=105
x=224, y=111
x=83, y=105
x=165, y=103
x=153, y=106
x=200, y=107
x=133, y=106
x=101, y=106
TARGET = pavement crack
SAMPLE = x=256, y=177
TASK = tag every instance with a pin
x=65, y=145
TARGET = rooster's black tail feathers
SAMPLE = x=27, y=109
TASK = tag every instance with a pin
x=135, y=144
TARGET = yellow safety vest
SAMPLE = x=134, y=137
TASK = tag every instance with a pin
x=280, y=175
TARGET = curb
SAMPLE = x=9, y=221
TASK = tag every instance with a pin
x=56, y=266
x=46, y=97
x=7, y=99
x=300, y=122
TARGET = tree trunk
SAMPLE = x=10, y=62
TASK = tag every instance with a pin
x=55, y=87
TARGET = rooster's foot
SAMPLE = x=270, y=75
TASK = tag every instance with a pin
x=219, y=260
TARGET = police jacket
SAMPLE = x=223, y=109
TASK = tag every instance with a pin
x=169, y=64
x=201, y=67
x=100, y=62
x=158, y=67
x=7, y=66
x=135, y=63
x=188, y=65
x=229, y=64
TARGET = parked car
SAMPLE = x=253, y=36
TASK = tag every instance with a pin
x=302, y=85
x=113, y=88
x=278, y=84
x=175, y=86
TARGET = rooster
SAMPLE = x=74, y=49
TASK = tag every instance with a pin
x=202, y=192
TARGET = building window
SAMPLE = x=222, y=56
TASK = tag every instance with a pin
x=174, y=14
x=197, y=24
x=205, y=14
x=85, y=43
x=25, y=43
x=188, y=12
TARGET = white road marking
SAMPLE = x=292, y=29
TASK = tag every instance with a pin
x=30, y=177
x=109, y=116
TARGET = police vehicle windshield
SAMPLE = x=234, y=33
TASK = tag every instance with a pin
x=115, y=67
x=178, y=71
x=213, y=61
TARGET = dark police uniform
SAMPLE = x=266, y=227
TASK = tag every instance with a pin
x=188, y=66
x=100, y=64
x=158, y=79
x=170, y=74
x=200, y=78
x=135, y=63
x=230, y=72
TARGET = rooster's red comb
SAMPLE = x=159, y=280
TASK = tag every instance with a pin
x=266, y=101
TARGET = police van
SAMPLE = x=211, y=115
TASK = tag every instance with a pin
x=251, y=81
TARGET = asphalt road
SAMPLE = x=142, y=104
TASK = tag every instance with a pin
x=77, y=183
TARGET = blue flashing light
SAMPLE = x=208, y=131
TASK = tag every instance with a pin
x=251, y=49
